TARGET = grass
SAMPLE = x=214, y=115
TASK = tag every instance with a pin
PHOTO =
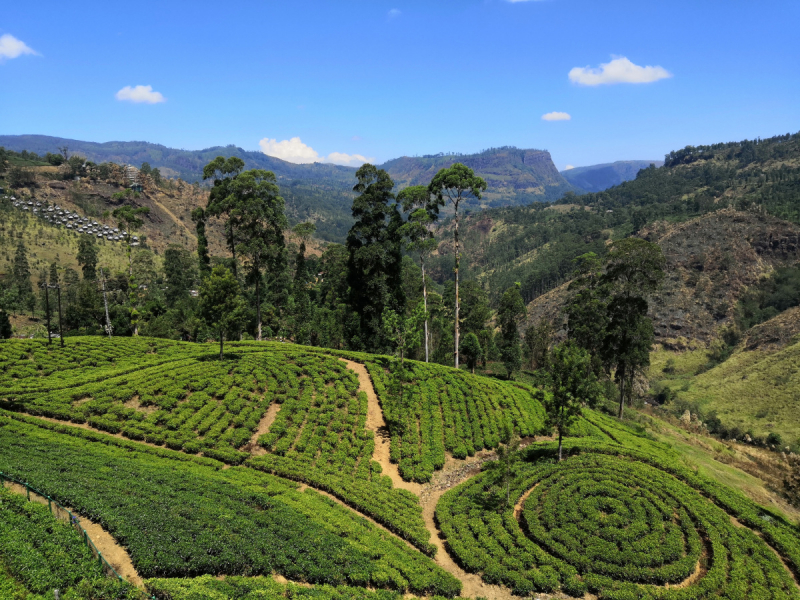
x=47, y=244
x=706, y=454
x=757, y=391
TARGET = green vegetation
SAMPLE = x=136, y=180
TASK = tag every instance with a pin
x=441, y=410
x=751, y=393
x=500, y=244
x=256, y=588
x=38, y=554
x=181, y=519
x=174, y=394
x=620, y=523
x=775, y=294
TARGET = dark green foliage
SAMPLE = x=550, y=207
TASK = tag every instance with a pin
x=374, y=269
x=21, y=274
x=538, y=339
x=5, y=325
x=221, y=305
x=203, y=259
x=634, y=270
x=87, y=257
x=572, y=385
x=471, y=350
x=18, y=177
x=509, y=315
x=179, y=274
x=770, y=297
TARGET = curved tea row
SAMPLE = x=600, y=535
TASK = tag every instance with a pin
x=620, y=524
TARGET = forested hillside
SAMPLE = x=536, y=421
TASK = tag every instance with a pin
x=536, y=244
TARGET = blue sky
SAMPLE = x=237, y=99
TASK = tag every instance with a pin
x=380, y=79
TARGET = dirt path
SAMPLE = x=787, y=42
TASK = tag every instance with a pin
x=105, y=543
x=377, y=424
x=263, y=427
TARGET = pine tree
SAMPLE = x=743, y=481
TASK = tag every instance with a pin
x=87, y=257
x=509, y=315
x=374, y=269
x=21, y=274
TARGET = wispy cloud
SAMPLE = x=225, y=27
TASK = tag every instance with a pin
x=141, y=94
x=619, y=70
x=295, y=151
x=568, y=167
x=556, y=116
x=11, y=47
x=394, y=12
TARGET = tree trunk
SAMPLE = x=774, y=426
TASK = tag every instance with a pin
x=621, y=390
x=455, y=237
x=559, y=444
x=232, y=243
x=220, y=344
x=425, y=305
x=258, y=304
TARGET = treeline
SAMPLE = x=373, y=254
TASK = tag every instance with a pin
x=368, y=294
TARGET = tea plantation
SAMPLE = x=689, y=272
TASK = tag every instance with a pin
x=219, y=475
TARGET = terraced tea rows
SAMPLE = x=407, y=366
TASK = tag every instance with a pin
x=621, y=524
x=180, y=518
x=39, y=553
x=444, y=410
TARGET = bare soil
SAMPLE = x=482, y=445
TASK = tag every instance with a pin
x=263, y=427
x=377, y=424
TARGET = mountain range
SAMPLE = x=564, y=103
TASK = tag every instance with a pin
x=596, y=178
x=322, y=192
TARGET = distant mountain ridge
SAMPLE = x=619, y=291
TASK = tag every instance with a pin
x=596, y=178
x=322, y=192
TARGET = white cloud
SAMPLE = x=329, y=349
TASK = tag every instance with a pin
x=295, y=151
x=11, y=47
x=350, y=160
x=556, y=116
x=619, y=70
x=394, y=13
x=568, y=167
x=140, y=94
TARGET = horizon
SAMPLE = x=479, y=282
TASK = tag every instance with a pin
x=591, y=84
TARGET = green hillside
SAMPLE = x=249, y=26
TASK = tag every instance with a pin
x=536, y=244
x=265, y=464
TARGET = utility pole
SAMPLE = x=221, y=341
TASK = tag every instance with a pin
x=47, y=310
x=60, y=318
x=109, y=329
